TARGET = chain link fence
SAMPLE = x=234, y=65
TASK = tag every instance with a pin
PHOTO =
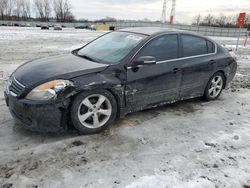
x=203, y=30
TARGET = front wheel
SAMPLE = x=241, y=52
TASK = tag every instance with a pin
x=215, y=86
x=93, y=111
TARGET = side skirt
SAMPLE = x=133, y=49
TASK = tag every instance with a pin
x=126, y=111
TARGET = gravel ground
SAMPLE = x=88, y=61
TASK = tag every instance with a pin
x=187, y=144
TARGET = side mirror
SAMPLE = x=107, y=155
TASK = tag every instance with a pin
x=145, y=60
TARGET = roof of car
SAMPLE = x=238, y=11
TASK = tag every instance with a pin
x=150, y=30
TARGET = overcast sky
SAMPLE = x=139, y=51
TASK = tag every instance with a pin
x=151, y=9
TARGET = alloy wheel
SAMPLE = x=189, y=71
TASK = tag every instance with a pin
x=216, y=86
x=94, y=111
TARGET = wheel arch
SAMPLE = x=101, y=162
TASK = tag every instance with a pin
x=118, y=100
x=117, y=96
x=206, y=95
x=74, y=101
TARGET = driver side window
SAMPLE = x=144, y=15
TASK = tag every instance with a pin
x=162, y=48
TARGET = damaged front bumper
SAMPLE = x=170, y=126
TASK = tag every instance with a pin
x=36, y=116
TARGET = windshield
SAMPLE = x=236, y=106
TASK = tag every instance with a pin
x=111, y=48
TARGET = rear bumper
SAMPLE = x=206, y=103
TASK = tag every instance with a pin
x=37, y=117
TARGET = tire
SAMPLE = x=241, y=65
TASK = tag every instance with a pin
x=93, y=111
x=215, y=86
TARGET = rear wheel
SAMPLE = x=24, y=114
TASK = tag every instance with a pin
x=93, y=111
x=215, y=86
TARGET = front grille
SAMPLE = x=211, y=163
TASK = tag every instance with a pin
x=16, y=87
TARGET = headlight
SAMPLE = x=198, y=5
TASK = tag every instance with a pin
x=8, y=84
x=48, y=90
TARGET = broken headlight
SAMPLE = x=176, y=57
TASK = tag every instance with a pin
x=8, y=84
x=48, y=90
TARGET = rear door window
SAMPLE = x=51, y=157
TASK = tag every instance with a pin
x=193, y=46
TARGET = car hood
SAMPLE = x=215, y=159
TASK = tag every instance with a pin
x=55, y=67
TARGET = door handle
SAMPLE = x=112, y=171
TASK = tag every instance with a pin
x=212, y=62
x=175, y=70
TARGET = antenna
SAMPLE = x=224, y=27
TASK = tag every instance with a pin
x=164, y=14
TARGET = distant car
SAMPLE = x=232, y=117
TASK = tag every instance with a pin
x=17, y=25
x=83, y=26
x=120, y=72
x=38, y=25
x=64, y=26
x=45, y=27
x=25, y=25
x=57, y=27
x=112, y=28
x=3, y=24
x=93, y=27
x=9, y=24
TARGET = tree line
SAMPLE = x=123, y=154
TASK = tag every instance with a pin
x=20, y=10
x=220, y=20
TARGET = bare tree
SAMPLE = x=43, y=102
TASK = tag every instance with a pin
x=25, y=8
x=43, y=9
x=209, y=20
x=3, y=8
x=47, y=9
x=10, y=8
x=17, y=9
x=247, y=20
x=231, y=20
x=217, y=21
x=62, y=9
x=39, y=8
x=58, y=9
x=221, y=20
x=197, y=20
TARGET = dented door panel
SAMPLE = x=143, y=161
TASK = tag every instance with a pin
x=195, y=74
x=150, y=85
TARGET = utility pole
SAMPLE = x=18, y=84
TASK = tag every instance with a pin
x=164, y=14
x=172, y=15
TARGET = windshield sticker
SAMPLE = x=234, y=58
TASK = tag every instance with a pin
x=133, y=37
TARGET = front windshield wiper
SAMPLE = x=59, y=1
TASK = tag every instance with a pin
x=87, y=57
x=75, y=52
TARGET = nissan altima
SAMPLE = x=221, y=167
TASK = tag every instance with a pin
x=116, y=74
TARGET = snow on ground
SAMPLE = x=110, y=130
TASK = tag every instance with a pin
x=187, y=144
